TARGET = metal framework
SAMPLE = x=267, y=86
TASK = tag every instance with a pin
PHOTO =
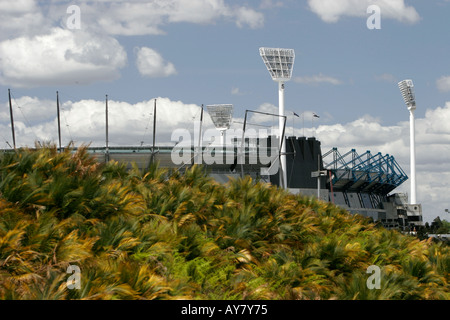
x=282, y=142
x=366, y=172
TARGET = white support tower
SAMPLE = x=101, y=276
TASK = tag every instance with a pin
x=221, y=115
x=407, y=90
x=280, y=63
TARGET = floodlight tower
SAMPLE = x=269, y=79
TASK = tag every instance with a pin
x=221, y=115
x=280, y=63
x=407, y=90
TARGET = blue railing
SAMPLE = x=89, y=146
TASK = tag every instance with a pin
x=354, y=168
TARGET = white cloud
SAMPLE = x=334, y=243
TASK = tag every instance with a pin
x=151, y=64
x=41, y=110
x=317, y=79
x=129, y=124
x=149, y=17
x=195, y=11
x=61, y=57
x=436, y=122
x=237, y=92
x=332, y=11
x=19, y=17
x=247, y=16
x=443, y=83
x=210, y=11
x=120, y=17
x=257, y=118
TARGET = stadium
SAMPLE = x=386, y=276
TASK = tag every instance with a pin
x=362, y=184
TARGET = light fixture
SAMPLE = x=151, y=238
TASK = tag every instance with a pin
x=280, y=63
x=221, y=115
x=407, y=90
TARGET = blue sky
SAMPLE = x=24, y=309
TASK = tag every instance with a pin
x=188, y=53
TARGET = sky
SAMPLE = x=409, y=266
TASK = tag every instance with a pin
x=188, y=53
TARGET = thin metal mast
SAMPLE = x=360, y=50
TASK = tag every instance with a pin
x=242, y=157
x=59, y=121
x=199, y=152
x=107, y=133
x=12, y=119
x=154, y=133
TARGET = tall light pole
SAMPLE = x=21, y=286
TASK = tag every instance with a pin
x=407, y=90
x=279, y=63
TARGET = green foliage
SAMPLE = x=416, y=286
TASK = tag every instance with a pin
x=157, y=234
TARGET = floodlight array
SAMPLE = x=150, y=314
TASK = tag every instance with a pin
x=279, y=62
x=407, y=90
x=221, y=115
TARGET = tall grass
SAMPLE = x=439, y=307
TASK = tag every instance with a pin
x=160, y=235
